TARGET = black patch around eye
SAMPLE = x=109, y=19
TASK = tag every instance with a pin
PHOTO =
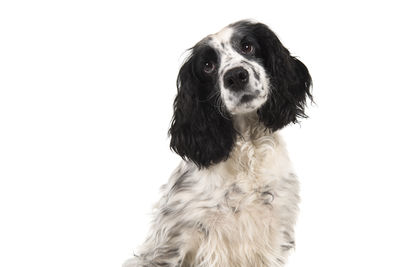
x=202, y=58
x=205, y=56
x=244, y=43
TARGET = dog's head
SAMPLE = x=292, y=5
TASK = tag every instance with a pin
x=242, y=69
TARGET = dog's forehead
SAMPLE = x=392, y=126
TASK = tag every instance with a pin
x=227, y=35
x=220, y=40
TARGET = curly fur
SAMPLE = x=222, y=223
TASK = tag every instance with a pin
x=233, y=199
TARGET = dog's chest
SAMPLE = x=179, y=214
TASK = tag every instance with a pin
x=245, y=207
x=242, y=227
x=245, y=200
x=249, y=179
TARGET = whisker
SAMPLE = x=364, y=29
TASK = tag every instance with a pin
x=210, y=97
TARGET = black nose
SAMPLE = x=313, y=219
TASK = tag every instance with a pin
x=236, y=79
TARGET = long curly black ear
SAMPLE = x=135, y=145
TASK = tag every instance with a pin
x=198, y=130
x=290, y=80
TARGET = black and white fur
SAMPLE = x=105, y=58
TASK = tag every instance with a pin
x=233, y=199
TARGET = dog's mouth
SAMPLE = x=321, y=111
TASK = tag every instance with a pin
x=245, y=101
x=246, y=98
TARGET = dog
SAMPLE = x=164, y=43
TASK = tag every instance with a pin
x=233, y=200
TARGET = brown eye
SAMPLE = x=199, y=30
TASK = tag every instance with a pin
x=209, y=67
x=247, y=48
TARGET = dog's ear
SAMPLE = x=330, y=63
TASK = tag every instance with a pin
x=290, y=80
x=199, y=131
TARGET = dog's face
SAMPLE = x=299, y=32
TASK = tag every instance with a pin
x=231, y=60
x=242, y=69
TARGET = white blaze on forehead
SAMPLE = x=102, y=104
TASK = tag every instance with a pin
x=221, y=40
x=224, y=35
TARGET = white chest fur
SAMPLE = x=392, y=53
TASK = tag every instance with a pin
x=242, y=209
x=239, y=212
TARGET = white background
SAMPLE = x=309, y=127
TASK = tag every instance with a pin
x=86, y=91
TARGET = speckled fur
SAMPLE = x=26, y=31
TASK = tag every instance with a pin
x=239, y=212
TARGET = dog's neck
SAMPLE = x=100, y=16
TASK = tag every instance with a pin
x=254, y=153
x=243, y=122
x=249, y=126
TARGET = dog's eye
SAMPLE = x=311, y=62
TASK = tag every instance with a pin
x=247, y=48
x=209, y=67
